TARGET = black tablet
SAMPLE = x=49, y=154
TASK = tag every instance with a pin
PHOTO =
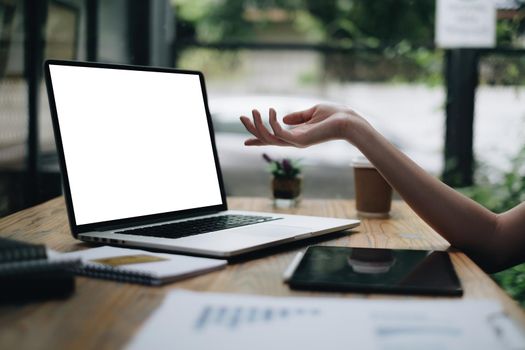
x=372, y=270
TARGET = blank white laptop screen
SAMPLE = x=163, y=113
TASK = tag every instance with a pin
x=135, y=142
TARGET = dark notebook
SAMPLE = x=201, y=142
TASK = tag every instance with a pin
x=27, y=274
x=372, y=270
x=11, y=250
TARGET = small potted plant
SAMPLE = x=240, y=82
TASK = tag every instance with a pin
x=286, y=182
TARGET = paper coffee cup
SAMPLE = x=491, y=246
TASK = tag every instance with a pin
x=373, y=195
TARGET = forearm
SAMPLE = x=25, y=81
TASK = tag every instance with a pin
x=461, y=221
x=493, y=241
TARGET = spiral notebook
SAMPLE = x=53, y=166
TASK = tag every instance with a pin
x=140, y=266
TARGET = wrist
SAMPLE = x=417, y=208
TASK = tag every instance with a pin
x=356, y=129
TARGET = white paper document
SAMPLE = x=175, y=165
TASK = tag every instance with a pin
x=193, y=320
x=465, y=23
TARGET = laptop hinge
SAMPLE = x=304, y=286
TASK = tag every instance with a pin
x=112, y=227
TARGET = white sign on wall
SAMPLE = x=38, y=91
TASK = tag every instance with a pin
x=465, y=23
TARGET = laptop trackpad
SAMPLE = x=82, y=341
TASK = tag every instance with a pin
x=273, y=231
x=242, y=237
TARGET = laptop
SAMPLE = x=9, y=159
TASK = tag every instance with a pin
x=140, y=166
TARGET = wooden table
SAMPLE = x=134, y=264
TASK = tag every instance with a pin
x=105, y=314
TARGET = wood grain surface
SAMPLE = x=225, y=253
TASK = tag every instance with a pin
x=104, y=314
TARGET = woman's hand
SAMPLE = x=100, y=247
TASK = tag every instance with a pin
x=315, y=125
x=493, y=241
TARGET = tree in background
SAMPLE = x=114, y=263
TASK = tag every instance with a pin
x=371, y=23
x=375, y=23
x=392, y=28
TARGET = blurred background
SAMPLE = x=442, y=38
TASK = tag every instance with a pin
x=461, y=108
x=459, y=113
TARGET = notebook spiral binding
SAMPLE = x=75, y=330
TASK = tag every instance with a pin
x=17, y=268
x=110, y=273
x=11, y=252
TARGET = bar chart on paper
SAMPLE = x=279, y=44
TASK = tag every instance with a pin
x=235, y=317
x=193, y=320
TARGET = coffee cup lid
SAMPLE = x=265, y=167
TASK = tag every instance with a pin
x=361, y=162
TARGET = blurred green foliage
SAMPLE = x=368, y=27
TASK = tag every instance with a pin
x=213, y=62
x=498, y=69
x=513, y=282
x=375, y=23
x=500, y=195
x=402, y=31
x=358, y=23
x=500, y=190
x=342, y=22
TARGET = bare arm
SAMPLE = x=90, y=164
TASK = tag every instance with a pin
x=494, y=241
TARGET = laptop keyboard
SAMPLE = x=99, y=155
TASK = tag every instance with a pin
x=194, y=227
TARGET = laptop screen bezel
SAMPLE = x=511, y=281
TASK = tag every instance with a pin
x=140, y=220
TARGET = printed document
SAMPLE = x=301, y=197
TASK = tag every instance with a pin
x=196, y=320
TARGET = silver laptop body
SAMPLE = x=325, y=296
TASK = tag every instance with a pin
x=137, y=149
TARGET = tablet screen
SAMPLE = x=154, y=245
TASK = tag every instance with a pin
x=376, y=270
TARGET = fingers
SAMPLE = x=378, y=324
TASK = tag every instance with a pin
x=276, y=126
x=263, y=133
x=251, y=128
x=299, y=117
x=278, y=131
x=259, y=130
x=249, y=125
x=254, y=142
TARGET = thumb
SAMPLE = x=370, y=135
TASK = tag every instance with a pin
x=299, y=117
